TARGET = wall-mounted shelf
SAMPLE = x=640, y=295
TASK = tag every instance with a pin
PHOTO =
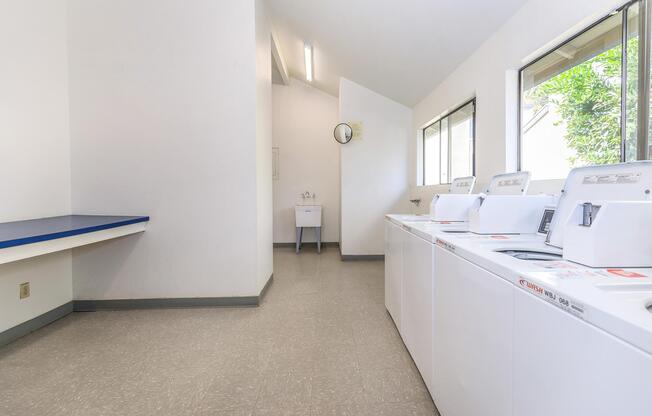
x=24, y=239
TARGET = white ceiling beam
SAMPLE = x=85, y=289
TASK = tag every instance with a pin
x=279, y=61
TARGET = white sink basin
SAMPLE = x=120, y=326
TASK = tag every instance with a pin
x=308, y=215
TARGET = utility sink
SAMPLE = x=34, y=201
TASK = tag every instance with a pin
x=308, y=215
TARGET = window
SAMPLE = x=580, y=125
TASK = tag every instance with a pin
x=448, y=146
x=579, y=103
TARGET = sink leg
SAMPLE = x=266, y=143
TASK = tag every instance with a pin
x=299, y=235
x=318, y=235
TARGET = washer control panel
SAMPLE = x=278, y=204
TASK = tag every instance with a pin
x=546, y=219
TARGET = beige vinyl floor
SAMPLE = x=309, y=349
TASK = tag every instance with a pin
x=321, y=343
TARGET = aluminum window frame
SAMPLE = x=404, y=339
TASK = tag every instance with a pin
x=644, y=68
x=449, y=147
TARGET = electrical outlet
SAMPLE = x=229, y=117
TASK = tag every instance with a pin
x=24, y=290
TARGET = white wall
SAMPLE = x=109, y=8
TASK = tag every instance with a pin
x=491, y=75
x=264, y=216
x=374, y=171
x=309, y=158
x=34, y=147
x=164, y=97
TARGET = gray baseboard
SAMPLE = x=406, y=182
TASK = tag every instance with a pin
x=263, y=292
x=92, y=305
x=362, y=257
x=33, y=324
x=308, y=243
x=40, y=321
x=161, y=303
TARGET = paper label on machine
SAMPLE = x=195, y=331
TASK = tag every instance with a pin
x=510, y=182
x=614, y=178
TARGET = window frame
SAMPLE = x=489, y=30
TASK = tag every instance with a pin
x=643, y=20
x=449, y=147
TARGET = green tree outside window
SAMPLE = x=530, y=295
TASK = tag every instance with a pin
x=588, y=97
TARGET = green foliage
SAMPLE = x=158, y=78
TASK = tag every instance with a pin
x=588, y=97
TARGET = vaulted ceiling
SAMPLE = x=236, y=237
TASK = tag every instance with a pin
x=399, y=48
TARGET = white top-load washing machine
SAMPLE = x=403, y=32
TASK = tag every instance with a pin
x=500, y=209
x=455, y=207
x=411, y=264
x=459, y=186
x=471, y=319
x=525, y=331
x=504, y=209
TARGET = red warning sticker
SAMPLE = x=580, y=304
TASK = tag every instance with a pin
x=625, y=273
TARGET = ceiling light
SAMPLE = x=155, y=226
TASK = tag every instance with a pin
x=307, y=54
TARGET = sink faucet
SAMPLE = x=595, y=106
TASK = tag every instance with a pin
x=307, y=195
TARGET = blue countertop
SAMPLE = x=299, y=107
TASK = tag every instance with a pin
x=18, y=233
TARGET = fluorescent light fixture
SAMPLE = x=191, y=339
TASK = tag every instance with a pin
x=307, y=55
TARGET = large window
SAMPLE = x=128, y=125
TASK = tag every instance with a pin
x=448, y=146
x=579, y=103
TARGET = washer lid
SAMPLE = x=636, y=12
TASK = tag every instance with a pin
x=509, y=184
x=630, y=181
